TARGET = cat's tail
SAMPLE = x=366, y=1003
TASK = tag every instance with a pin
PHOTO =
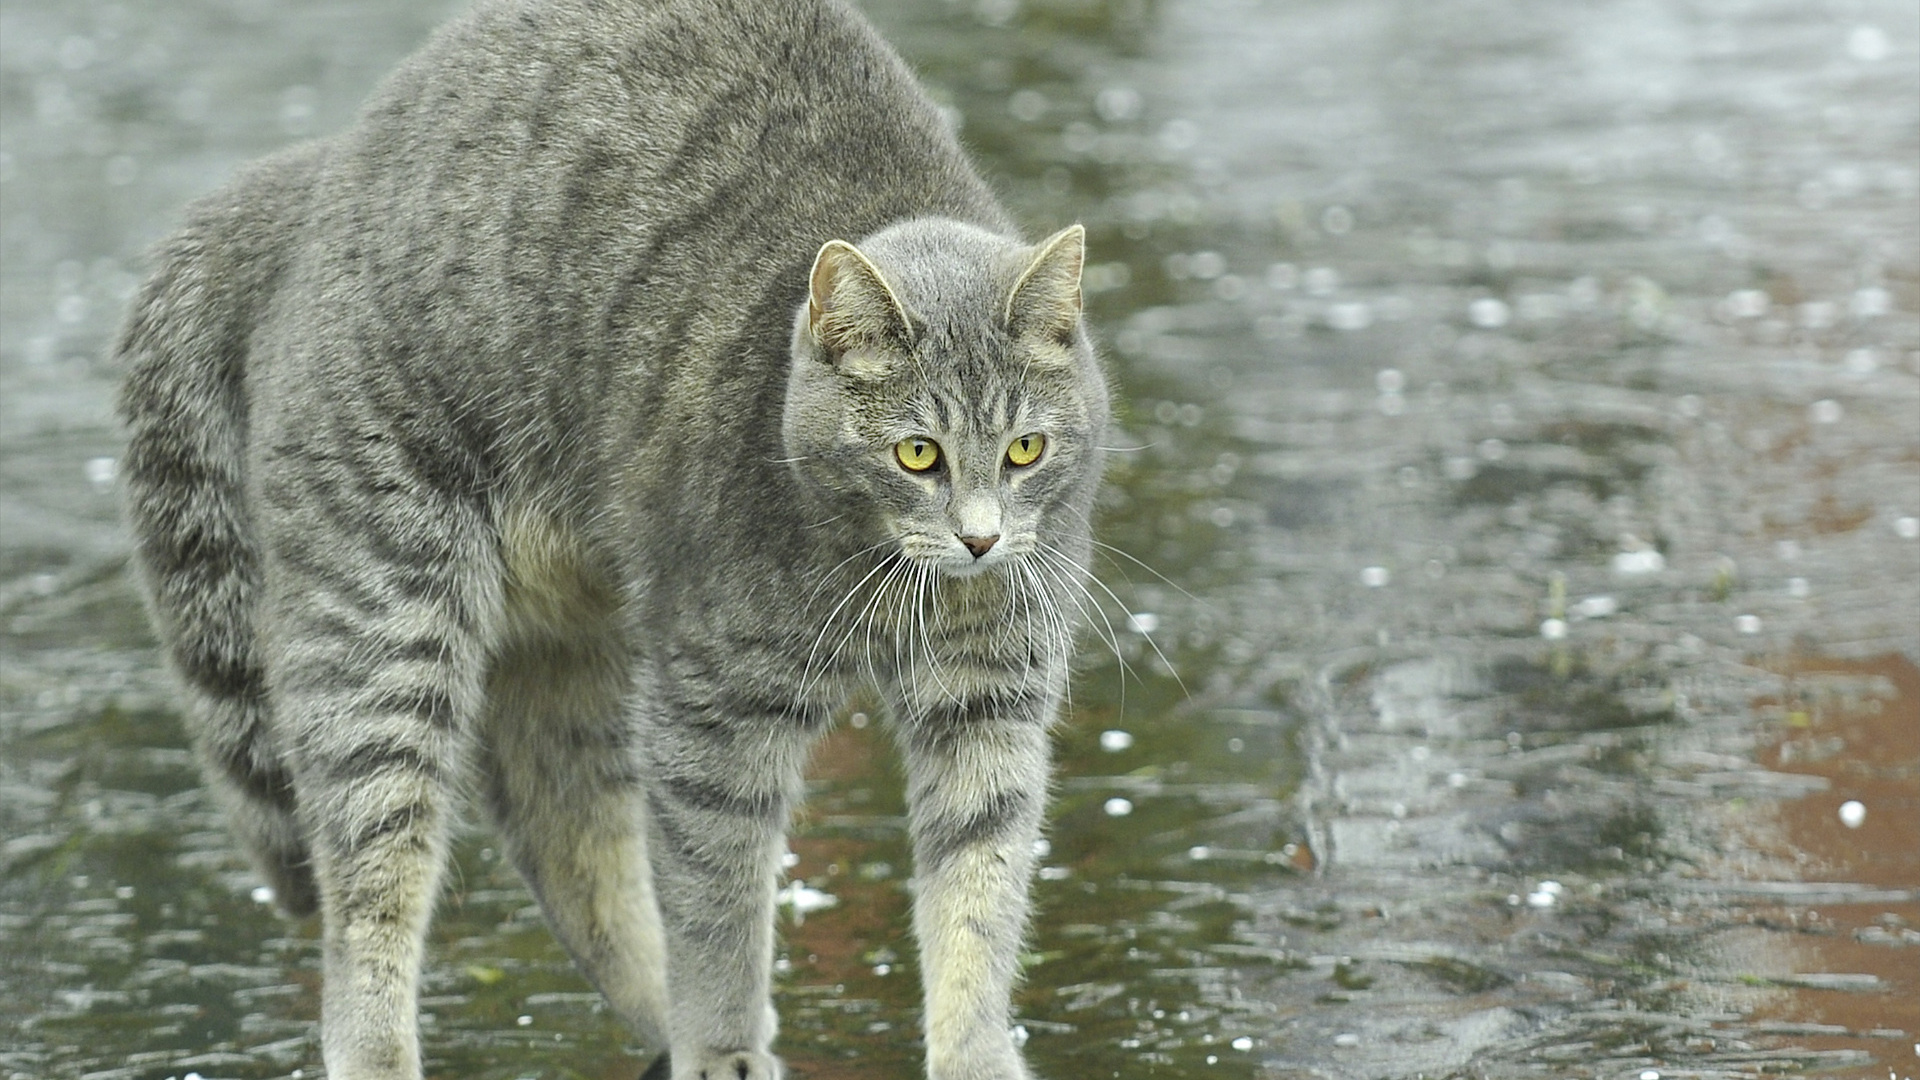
x=184, y=403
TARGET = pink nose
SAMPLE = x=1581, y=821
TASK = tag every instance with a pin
x=979, y=545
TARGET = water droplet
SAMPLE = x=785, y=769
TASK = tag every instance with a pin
x=1143, y=622
x=297, y=108
x=262, y=894
x=1322, y=281
x=1907, y=528
x=1825, y=411
x=1596, y=607
x=1868, y=44
x=1645, y=561
x=1027, y=105
x=1747, y=624
x=1798, y=588
x=1816, y=314
x=1746, y=303
x=1118, y=807
x=1042, y=848
x=1114, y=741
x=1389, y=381
x=1488, y=313
x=1553, y=629
x=1179, y=135
x=1117, y=103
x=804, y=899
x=1373, y=577
x=524, y=1021
x=1199, y=852
x=859, y=720
x=100, y=471
x=1242, y=1044
x=1650, y=1074
x=1492, y=449
x=1207, y=265
x=1862, y=361
x=1853, y=813
x=1870, y=302
x=1346, y=1040
x=1349, y=315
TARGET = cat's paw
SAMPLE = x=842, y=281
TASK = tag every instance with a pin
x=729, y=1065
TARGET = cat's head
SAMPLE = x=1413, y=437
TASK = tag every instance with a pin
x=943, y=390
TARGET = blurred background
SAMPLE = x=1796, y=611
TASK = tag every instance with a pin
x=1508, y=667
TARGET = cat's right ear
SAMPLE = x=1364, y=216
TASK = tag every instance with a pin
x=852, y=310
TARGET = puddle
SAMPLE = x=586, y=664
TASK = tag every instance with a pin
x=1516, y=540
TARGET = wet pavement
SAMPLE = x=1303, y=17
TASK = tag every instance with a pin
x=1509, y=668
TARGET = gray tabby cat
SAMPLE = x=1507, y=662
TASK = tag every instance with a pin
x=539, y=435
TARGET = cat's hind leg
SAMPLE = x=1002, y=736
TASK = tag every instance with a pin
x=559, y=772
x=381, y=594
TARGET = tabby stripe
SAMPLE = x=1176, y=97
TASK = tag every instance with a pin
x=218, y=675
x=272, y=785
x=706, y=864
x=717, y=120
x=712, y=798
x=429, y=703
x=940, y=840
x=806, y=717
x=392, y=823
x=378, y=757
x=942, y=718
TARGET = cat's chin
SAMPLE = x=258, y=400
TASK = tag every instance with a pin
x=971, y=569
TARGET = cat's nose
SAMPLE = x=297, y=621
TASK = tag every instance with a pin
x=979, y=545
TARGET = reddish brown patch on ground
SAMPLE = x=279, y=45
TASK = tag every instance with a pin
x=1867, y=743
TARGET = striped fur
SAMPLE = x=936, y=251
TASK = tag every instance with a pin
x=516, y=443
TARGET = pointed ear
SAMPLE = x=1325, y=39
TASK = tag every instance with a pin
x=1046, y=299
x=849, y=304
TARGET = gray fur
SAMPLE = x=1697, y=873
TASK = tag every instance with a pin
x=530, y=437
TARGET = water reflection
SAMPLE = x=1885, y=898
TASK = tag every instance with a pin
x=1514, y=554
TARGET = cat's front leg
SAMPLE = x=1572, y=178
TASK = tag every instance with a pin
x=976, y=786
x=723, y=776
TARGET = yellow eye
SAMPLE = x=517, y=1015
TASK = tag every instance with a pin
x=917, y=454
x=1026, y=449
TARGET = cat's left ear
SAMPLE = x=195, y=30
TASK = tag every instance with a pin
x=1046, y=299
x=852, y=312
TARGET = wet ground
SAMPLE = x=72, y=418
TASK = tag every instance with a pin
x=1511, y=669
